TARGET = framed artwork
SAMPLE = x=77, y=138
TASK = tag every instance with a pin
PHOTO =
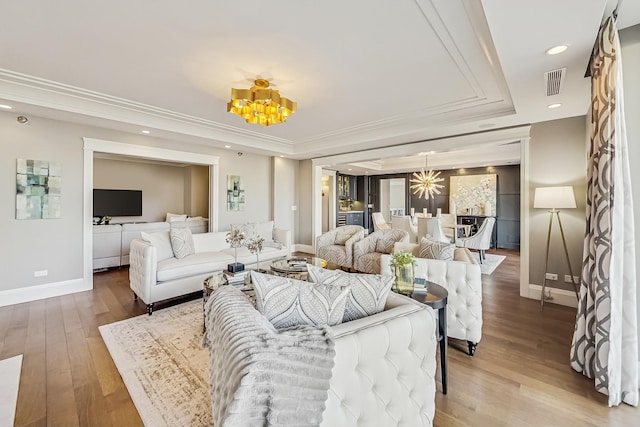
x=38, y=189
x=235, y=193
x=474, y=194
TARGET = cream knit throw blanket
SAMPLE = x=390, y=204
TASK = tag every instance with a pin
x=261, y=376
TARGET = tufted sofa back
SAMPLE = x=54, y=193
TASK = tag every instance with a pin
x=384, y=372
x=463, y=281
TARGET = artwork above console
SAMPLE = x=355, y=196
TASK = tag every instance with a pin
x=473, y=194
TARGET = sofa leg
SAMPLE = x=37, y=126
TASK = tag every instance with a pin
x=150, y=309
x=472, y=347
x=135, y=296
x=481, y=255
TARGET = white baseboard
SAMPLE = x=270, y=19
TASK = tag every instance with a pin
x=298, y=247
x=48, y=290
x=560, y=296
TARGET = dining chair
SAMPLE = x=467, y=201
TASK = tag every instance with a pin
x=481, y=241
x=404, y=223
x=432, y=227
x=378, y=222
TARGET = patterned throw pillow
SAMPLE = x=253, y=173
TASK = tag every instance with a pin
x=248, y=229
x=434, y=249
x=368, y=292
x=289, y=302
x=385, y=243
x=182, y=242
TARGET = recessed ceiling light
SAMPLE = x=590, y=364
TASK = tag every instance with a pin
x=146, y=132
x=6, y=107
x=554, y=105
x=281, y=155
x=557, y=49
x=227, y=146
x=350, y=169
x=366, y=172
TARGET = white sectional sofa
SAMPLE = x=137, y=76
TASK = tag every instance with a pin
x=463, y=281
x=155, y=274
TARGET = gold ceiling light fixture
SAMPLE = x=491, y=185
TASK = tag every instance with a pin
x=261, y=105
x=426, y=182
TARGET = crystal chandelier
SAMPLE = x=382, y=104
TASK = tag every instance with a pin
x=426, y=182
x=261, y=105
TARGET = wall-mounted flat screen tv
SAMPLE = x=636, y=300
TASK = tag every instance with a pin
x=117, y=202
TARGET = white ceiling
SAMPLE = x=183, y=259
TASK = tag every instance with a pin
x=365, y=73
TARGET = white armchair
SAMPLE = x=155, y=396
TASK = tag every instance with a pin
x=463, y=281
x=336, y=246
x=405, y=223
x=481, y=241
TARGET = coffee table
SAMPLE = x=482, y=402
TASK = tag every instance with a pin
x=284, y=267
x=435, y=296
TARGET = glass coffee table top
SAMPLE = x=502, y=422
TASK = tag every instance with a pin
x=290, y=265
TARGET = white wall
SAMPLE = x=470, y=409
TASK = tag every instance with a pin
x=196, y=191
x=56, y=245
x=304, y=189
x=285, y=195
x=557, y=156
x=163, y=186
x=630, y=43
x=385, y=197
x=397, y=193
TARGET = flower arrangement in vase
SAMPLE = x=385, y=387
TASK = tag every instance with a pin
x=235, y=238
x=403, y=263
x=255, y=246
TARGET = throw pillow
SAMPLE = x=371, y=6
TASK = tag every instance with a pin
x=385, y=243
x=434, y=249
x=265, y=230
x=175, y=217
x=289, y=302
x=162, y=243
x=248, y=229
x=368, y=292
x=182, y=242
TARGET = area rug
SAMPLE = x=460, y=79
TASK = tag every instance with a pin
x=490, y=263
x=10, y=374
x=163, y=364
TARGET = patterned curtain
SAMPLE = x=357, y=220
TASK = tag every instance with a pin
x=605, y=340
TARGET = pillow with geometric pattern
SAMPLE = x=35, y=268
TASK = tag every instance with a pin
x=289, y=302
x=368, y=292
x=435, y=249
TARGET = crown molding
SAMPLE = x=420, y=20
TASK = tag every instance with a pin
x=33, y=90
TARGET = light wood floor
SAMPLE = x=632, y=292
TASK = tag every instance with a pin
x=519, y=376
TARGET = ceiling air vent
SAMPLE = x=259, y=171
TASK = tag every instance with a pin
x=554, y=80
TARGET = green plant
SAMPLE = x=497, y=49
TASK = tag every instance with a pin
x=402, y=258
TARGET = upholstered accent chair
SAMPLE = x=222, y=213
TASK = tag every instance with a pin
x=463, y=281
x=336, y=246
x=405, y=223
x=481, y=241
x=367, y=252
x=432, y=227
x=378, y=222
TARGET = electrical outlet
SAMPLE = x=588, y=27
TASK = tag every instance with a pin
x=294, y=208
x=551, y=276
x=567, y=278
x=40, y=273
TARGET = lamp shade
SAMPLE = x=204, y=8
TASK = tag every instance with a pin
x=554, y=197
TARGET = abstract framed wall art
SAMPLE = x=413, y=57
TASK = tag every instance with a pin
x=474, y=194
x=235, y=193
x=38, y=189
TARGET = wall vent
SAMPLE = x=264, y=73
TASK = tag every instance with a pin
x=554, y=80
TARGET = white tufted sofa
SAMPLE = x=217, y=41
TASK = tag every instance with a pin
x=384, y=372
x=462, y=279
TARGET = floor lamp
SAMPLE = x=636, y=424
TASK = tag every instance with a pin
x=555, y=198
